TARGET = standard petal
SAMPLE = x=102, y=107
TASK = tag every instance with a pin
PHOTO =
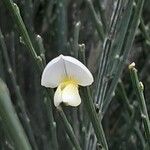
x=70, y=95
x=78, y=71
x=58, y=97
x=63, y=67
x=54, y=72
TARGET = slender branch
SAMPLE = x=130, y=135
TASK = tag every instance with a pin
x=69, y=129
x=144, y=32
x=11, y=120
x=122, y=93
x=138, y=87
x=102, y=15
x=139, y=135
x=15, y=12
x=51, y=122
x=82, y=53
x=131, y=109
x=96, y=121
x=61, y=26
x=76, y=39
x=41, y=48
x=96, y=20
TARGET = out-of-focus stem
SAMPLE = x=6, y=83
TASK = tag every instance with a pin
x=102, y=15
x=144, y=32
x=61, y=26
x=11, y=121
x=76, y=39
x=123, y=95
x=82, y=53
x=96, y=20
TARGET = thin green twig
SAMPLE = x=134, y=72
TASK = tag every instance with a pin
x=89, y=105
x=122, y=93
x=11, y=120
x=61, y=26
x=41, y=48
x=139, y=135
x=96, y=121
x=69, y=129
x=15, y=12
x=81, y=54
x=102, y=15
x=138, y=87
x=96, y=21
x=131, y=112
x=76, y=39
x=144, y=32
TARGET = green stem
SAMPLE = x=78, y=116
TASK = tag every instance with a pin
x=53, y=133
x=81, y=55
x=39, y=41
x=102, y=78
x=131, y=111
x=96, y=20
x=15, y=12
x=144, y=32
x=139, y=135
x=69, y=129
x=61, y=26
x=122, y=93
x=138, y=87
x=94, y=118
x=11, y=120
x=127, y=44
x=130, y=124
x=102, y=15
x=76, y=39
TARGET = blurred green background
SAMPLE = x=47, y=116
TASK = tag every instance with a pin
x=54, y=21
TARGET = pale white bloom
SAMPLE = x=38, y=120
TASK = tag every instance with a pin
x=66, y=73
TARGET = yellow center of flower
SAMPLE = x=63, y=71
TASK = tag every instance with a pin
x=67, y=82
x=67, y=92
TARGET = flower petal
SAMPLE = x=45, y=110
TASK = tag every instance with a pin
x=70, y=95
x=58, y=97
x=63, y=67
x=53, y=73
x=78, y=71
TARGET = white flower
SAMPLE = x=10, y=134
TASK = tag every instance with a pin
x=66, y=73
